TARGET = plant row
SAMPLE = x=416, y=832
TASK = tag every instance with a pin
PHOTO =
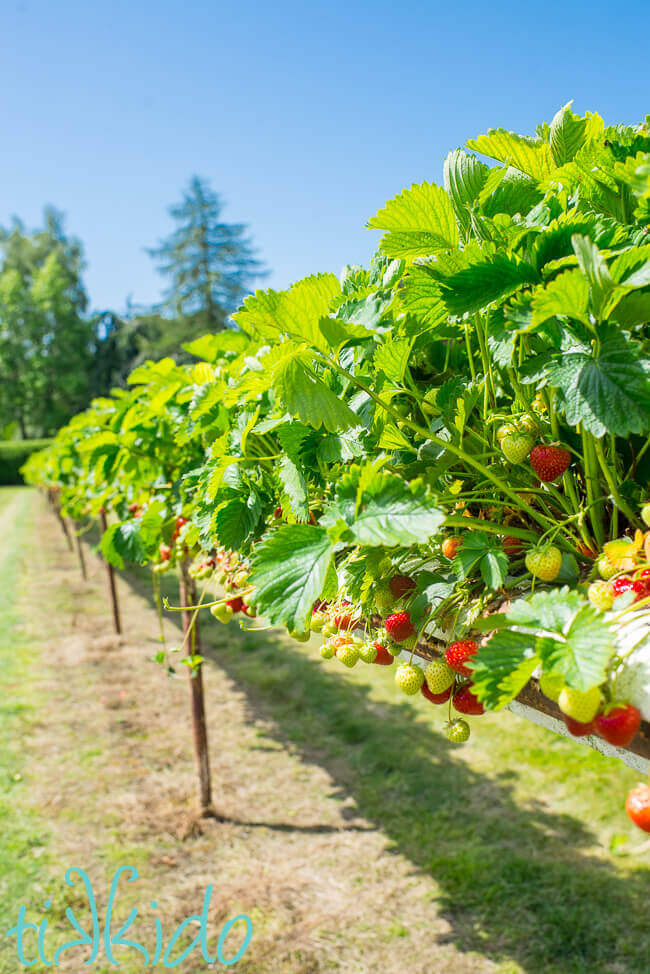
x=455, y=440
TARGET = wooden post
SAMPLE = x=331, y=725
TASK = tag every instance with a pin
x=80, y=552
x=199, y=727
x=62, y=522
x=112, y=591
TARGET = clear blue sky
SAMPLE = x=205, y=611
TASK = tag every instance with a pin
x=305, y=116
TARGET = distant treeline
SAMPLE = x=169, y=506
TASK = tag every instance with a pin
x=56, y=354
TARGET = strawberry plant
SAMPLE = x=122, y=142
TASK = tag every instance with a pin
x=450, y=446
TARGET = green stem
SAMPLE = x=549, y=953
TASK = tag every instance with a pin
x=443, y=444
x=610, y=479
x=591, y=480
x=470, y=357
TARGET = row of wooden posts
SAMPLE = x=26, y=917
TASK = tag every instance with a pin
x=188, y=596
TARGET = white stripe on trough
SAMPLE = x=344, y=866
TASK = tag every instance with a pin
x=597, y=743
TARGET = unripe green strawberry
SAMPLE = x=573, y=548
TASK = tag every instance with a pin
x=241, y=578
x=368, y=652
x=318, y=620
x=161, y=568
x=394, y=648
x=551, y=686
x=300, y=637
x=457, y=731
x=544, y=563
x=517, y=446
x=600, y=594
x=579, y=705
x=329, y=629
x=409, y=678
x=384, y=599
x=223, y=613
x=439, y=675
x=327, y=650
x=645, y=514
x=410, y=643
x=506, y=429
x=605, y=568
x=348, y=654
x=526, y=424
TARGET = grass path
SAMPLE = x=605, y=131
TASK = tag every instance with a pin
x=357, y=838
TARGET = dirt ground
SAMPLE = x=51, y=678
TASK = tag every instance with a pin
x=322, y=887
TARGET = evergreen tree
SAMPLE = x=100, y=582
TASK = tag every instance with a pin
x=211, y=264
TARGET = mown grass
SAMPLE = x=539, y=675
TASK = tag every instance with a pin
x=524, y=832
x=24, y=833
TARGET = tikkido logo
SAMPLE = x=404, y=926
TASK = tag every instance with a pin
x=111, y=940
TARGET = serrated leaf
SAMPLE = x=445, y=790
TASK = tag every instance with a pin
x=421, y=299
x=236, y=519
x=391, y=357
x=122, y=542
x=607, y=390
x=508, y=191
x=289, y=571
x=593, y=266
x=503, y=666
x=421, y=221
x=295, y=488
x=583, y=652
x=568, y=134
x=464, y=178
x=310, y=400
x=530, y=155
x=391, y=514
x=567, y=294
x=296, y=312
x=480, y=284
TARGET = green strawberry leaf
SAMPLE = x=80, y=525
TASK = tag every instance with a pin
x=607, y=390
x=391, y=512
x=503, y=667
x=290, y=571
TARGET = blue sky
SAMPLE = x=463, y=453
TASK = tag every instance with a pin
x=305, y=116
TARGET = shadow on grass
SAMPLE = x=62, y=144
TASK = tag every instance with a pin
x=516, y=884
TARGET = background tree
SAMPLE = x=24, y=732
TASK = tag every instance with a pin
x=47, y=342
x=211, y=264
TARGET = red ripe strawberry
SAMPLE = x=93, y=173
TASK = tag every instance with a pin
x=577, y=729
x=165, y=552
x=465, y=702
x=383, y=657
x=618, y=725
x=277, y=512
x=637, y=806
x=621, y=585
x=512, y=546
x=451, y=547
x=180, y=523
x=641, y=587
x=399, y=585
x=134, y=508
x=459, y=653
x=549, y=462
x=236, y=604
x=345, y=620
x=435, y=697
x=399, y=626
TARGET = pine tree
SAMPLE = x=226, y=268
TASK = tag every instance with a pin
x=210, y=264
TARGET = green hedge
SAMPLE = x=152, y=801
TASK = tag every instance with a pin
x=13, y=453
